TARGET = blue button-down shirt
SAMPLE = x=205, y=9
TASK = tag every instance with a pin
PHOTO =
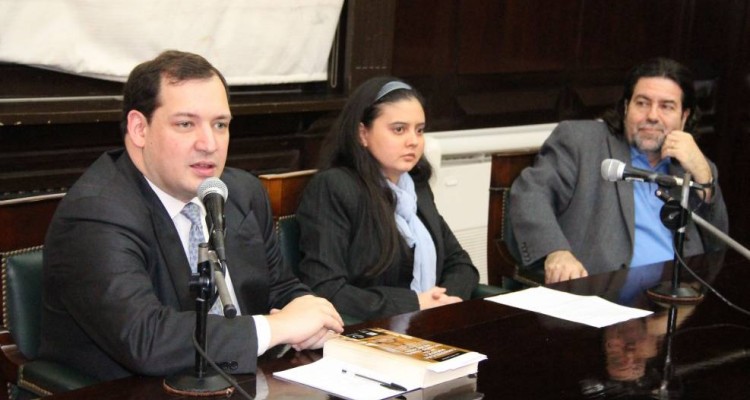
x=653, y=241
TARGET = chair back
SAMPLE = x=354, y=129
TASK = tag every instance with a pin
x=285, y=190
x=502, y=254
x=22, y=289
x=287, y=229
x=284, y=193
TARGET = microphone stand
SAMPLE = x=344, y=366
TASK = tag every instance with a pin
x=200, y=381
x=219, y=259
x=669, y=389
x=674, y=292
x=220, y=267
x=735, y=245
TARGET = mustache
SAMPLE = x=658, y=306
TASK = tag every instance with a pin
x=647, y=125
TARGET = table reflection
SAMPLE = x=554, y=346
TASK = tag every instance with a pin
x=651, y=357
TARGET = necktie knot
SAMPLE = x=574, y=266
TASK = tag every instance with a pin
x=192, y=212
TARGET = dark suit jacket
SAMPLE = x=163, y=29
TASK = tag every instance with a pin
x=336, y=250
x=116, y=295
x=563, y=203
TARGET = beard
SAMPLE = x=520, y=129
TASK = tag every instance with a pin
x=646, y=142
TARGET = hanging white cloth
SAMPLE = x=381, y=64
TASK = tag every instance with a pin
x=250, y=42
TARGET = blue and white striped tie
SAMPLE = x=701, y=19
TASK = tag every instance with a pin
x=193, y=213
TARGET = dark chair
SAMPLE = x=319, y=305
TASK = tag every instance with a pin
x=502, y=254
x=20, y=335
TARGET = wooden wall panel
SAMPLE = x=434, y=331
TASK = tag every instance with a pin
x=621, y=33
x=516, y=35
x=369, y=40
x=484, y=62
x=732, y=62
x=425, y=54
x=44, y=158
x=425, y=44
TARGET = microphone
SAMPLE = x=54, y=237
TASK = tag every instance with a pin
x=616, y=170
x=213, y=192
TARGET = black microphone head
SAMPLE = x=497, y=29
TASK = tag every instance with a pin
x=612, y=169
x=212, y=185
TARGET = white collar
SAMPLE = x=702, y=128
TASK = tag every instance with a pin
x=173, y=205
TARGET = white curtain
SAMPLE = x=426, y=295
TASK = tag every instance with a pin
x=249, y=41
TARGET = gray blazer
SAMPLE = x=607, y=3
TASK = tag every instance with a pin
x=116, y=296
x=563, y=203
x=337, y=249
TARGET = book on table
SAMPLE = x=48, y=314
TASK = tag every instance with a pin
x=384, y=363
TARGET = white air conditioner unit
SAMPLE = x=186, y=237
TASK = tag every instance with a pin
x=461, y=162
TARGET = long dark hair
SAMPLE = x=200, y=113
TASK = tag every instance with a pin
x=343, y=148
x=655, y=68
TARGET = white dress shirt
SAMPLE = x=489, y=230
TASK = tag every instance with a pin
x=183, y=224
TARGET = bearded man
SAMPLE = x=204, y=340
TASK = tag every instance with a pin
x=565, y=216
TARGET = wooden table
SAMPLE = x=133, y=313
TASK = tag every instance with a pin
x=532, y=356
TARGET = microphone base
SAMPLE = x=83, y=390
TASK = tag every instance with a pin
x=665, y=294
x=187, y=384
x=669, y=390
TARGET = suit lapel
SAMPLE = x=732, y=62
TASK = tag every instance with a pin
x=619, y=149
x=167, y=240
x=235, y=228
x=172, y=253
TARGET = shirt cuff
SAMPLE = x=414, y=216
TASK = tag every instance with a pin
x=263, y=331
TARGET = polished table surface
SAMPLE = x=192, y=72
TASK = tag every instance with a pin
x=533, y=356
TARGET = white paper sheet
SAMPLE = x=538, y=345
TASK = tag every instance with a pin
x=589, y=310
x=326, y=374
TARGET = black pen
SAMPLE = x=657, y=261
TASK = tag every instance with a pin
x=392, y=386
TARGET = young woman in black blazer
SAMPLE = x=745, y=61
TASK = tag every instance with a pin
x=372, y=240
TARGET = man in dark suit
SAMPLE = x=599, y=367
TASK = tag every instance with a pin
x=566, y=217
x=116, y=295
